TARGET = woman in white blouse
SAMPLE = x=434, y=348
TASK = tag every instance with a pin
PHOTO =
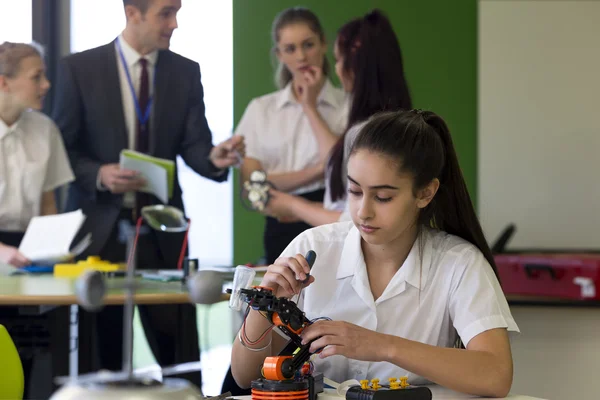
x=33, y=161
x=290, y=133
x=374, y=76
x=402, y=282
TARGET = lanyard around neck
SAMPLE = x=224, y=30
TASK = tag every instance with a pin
x=142, y=117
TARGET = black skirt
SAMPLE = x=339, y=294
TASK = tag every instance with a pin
x=11, y=238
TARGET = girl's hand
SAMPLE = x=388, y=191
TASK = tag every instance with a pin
x=286, y=276
x=11, y=255
x=278, y=205
x=346, y=339
x=309, y=86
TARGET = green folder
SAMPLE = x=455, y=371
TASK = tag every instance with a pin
x=168, y=165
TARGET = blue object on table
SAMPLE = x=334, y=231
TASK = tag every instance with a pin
x=39, y=269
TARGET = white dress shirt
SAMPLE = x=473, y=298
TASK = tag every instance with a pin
x=33, y=161
x=279, y=135
x=446, y=289
x=132, y=59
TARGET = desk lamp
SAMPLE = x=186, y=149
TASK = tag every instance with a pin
x=204, y=287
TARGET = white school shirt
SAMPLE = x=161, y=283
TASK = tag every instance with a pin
x=451, y=289
x=279, y=135
x=33, y=161
x=341, y=204
x=132, y=59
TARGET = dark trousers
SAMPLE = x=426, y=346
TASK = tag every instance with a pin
x=277, y=236
x=171, y=330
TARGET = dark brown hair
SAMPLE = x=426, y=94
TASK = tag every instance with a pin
x=371, y=53
x=421, y=144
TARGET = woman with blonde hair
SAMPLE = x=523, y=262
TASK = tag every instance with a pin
x=33, y=161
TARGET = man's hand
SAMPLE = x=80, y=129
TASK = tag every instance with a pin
x=11, y=255
x=228, y=153
x=119, y=180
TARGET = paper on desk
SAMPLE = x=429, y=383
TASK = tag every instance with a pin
x=159, y=173
x=48, y=238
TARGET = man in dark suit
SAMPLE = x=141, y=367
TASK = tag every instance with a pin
x=134, y=93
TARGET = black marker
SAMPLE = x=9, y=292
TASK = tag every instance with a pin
x=310, y=257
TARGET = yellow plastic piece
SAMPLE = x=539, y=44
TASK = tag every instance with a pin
x=375, y=384
x=92, y=262
x=394, y=384
x=404, y=382
x=364, y=384
x=12, y=381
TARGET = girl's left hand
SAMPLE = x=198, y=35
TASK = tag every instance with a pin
x=278, y=205
x=344, y=338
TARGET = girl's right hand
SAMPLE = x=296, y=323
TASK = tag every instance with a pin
x=11, y=255
x=286, y=276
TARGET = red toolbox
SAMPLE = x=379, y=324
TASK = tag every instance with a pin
x=557, y=275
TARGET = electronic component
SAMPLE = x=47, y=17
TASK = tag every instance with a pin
x=257, y=191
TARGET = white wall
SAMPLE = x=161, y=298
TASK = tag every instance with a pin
x=557, y=354
x=539, y=141
x=539, y=137
x=17, y=28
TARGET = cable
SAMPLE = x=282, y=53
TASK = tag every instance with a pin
x=184, y=246
x=244, y=338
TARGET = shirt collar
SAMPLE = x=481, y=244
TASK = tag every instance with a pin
x=5, y=130
x=414, y=270
x=132, y=56
x=327, y=96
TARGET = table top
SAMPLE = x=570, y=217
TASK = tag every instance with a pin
x=438, y=392
x=29, y=289
x=50, y=290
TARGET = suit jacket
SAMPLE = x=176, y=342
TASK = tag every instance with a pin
x=89, y=112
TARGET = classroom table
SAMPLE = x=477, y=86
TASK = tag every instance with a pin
x=38, y=294
x=438, y=393
x=47, y=290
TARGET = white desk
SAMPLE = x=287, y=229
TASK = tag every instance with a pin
x=438, y=392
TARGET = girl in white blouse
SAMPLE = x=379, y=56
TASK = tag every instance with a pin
x=33, y=161
x=289, y=133
x=374, y=76
x=408, y=277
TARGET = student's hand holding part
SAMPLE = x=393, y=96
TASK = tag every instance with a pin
x=279, y=206
x=344, y=338
x=286, y=276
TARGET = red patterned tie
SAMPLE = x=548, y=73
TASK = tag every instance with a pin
x=143, y=131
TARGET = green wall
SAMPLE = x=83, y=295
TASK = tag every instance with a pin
x=439, y=44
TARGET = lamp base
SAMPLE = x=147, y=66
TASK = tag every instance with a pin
x=169, y=389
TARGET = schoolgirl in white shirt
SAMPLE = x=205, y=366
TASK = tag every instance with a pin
x=373, y=76
x=405, y=280
x=289, y=133
x=33, y=161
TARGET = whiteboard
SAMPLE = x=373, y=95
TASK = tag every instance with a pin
x=538, y=124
